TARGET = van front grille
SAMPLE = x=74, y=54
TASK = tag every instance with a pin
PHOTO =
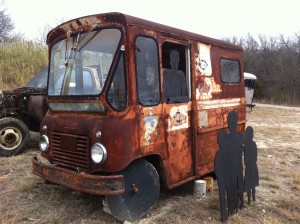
x=70, y=151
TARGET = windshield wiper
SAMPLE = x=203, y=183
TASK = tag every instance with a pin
x=70, y=61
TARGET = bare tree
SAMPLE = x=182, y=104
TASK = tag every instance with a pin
x=6, y=24
x=43, y=32
x=42, y=39
x=276, y=63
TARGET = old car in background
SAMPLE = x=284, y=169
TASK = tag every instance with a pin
x=21, y=111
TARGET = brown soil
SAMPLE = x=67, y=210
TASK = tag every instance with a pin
x=25, y=198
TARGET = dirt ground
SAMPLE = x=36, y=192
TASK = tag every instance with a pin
x=25, y=198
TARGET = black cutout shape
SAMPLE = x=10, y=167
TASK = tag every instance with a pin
x=251, y=170
x=229, y=167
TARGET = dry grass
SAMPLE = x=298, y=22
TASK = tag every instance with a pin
x=19, y=62
x=296, y=182
x=25, y=198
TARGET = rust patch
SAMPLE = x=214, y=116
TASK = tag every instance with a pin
x=93, y=184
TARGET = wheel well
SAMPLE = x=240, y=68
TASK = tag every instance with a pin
x=156, y=161
x=8, y=115
x=32, y=124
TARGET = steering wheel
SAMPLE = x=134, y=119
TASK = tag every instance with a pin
x=148, y=97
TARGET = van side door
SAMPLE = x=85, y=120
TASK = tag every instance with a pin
x=177, y=111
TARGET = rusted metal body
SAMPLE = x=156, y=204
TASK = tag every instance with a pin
x=93, y=184
x=179, y=139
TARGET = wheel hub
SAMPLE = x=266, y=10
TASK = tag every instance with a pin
x=10, y=138
x=134, y=189
x=141, y=192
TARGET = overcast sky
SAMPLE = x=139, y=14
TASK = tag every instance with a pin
x=213, y=18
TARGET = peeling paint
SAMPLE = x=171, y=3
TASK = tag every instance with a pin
x=212, y=104
x=150, y=129
x=206, y=84
x=150, y=110
x=178, y=118
x=203, y=61
x=206, y=87
x=202, y=119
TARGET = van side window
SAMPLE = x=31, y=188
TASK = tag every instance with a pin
x=230, y=71
x=147, y=70
x=175, y=73
x=249, y=83
x=117, y=95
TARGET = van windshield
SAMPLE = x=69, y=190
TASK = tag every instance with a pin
x=80, y=63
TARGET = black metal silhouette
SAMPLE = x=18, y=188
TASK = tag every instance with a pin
x=229, y=167
x=251, y=170
x=220, y=171
x=235, y=145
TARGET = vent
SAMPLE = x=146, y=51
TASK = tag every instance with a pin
x=70, y=151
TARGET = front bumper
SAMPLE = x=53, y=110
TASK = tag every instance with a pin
x=93, y=184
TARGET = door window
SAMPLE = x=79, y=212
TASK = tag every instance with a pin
x=147, y=70
x=117, y=94
x=175, y=73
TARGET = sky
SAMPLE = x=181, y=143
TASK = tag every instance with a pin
x=213, y=18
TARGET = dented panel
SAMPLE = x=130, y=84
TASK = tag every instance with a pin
x=93, y=184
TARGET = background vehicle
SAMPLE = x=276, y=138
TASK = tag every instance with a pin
x=21, y=111
x=249, y=88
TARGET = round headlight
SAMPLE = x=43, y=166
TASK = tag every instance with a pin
x=44, y=143
x=98, y=153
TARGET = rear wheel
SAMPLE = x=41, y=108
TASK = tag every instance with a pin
x=142, y=190
x=14, y=136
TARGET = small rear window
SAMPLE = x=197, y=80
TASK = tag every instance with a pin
x=230, y=71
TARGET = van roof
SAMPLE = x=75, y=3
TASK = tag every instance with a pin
x=127, y=20
x=249, y=76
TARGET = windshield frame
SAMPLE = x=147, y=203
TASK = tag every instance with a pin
x=75, y=35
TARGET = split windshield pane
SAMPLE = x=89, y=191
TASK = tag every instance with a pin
x=80, y=64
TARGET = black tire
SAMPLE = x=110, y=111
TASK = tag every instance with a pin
x=142, y=189
x=14, y=136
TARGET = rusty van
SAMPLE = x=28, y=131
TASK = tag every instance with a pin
x=151, y=117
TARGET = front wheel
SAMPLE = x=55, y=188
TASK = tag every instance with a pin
x=142, y=190
x=14, y=136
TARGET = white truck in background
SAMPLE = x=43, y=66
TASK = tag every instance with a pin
x=249, y=89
